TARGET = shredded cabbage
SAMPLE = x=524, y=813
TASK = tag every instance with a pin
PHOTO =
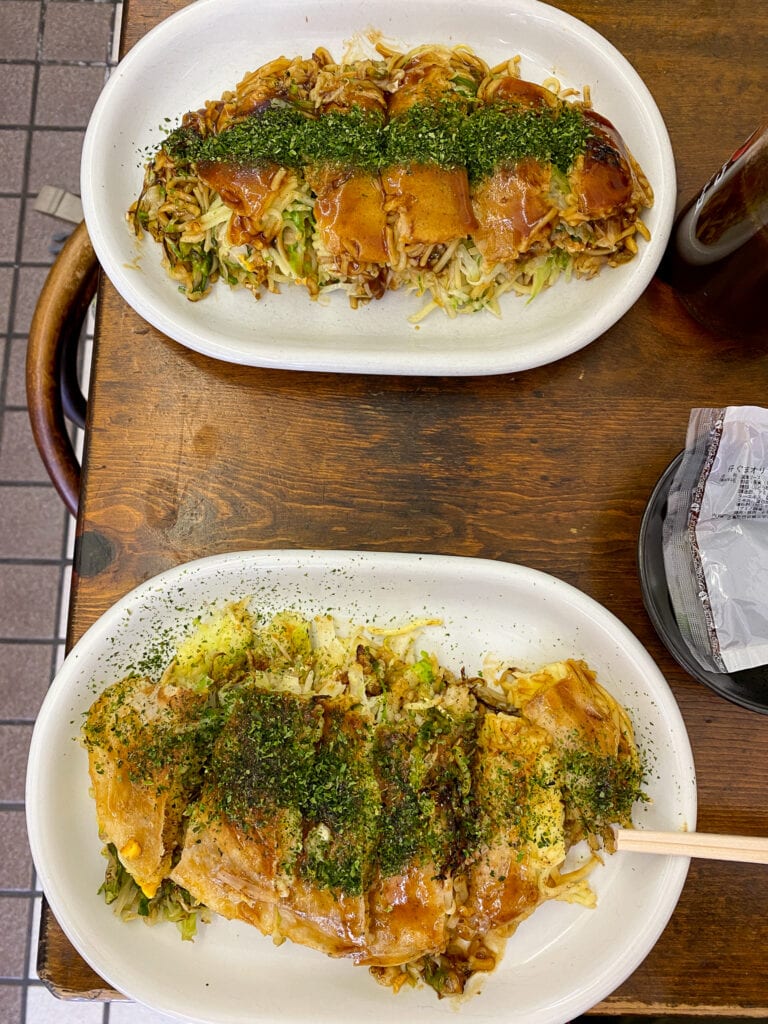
x=170, y=903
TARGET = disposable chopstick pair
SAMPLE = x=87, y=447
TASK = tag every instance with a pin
x=746, y=849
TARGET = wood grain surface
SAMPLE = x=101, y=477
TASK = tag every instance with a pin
x=551, y=468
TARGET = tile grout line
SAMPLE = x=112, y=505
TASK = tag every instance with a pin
x=31, y=560
x=32, y=641
x=26, y=894
x=22, y=483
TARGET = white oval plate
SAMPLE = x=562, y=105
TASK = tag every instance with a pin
x=560, y=962
x=206, y=48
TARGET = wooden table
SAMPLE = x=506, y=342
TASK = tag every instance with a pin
x=551, y=468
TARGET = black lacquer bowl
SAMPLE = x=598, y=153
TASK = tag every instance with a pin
x=748, y=688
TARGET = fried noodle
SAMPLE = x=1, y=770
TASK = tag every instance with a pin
x=423, y=171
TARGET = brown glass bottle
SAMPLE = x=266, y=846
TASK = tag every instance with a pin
x=717, y=259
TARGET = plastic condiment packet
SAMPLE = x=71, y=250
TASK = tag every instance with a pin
x=716, y=538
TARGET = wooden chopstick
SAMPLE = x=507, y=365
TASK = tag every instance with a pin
x=747, y=849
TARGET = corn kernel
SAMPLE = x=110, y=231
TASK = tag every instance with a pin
x=130, y=850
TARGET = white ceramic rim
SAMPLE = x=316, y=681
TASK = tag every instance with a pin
x=288, y=331
x=623, y=933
